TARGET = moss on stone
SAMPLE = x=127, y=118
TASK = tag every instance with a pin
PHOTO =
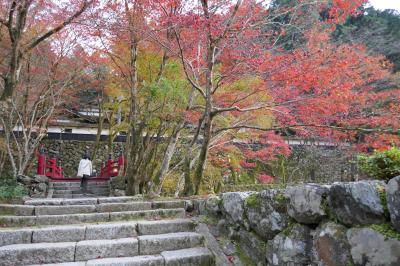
x=331, y=215
x=244, y=259
x=252, y=200
x=382, y=195
x=387, y=230
x=209, y=220
x=286, y=231
x=350, y=263
x=280, y=201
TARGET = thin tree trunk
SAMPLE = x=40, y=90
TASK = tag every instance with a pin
x=98, y=134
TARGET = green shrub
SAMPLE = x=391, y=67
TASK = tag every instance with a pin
x=11, y=189
x=384, y=165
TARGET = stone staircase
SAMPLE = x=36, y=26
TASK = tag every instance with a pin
x=100, y=231
x=70, y=190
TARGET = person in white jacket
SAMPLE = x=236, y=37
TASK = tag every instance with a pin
x=84, y=169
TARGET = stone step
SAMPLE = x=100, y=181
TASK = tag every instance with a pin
x=26, y=254
x=183, y=257
x=66, y=184
x=92, y=207
x=66, y=209
x=98, y=189
x=189, y=257
x=75, y=233
x=38, y=253
x=8, y=209
x=63, y=196
x=164, y=226
x=66, y=191
x=78, y=218
x=93, y=249
x=155, y=244
x=153, y=260
x=83, y=201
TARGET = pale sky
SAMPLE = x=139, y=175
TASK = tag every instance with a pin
x=386, y=4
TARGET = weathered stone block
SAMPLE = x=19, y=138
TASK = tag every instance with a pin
x=369, y=247
x=233, y=205
x=79, y=201
x=356, y=203
x=40, y=179
x=305, y=203
x=252, y=245
x=16, y=209
x=72, y=218
x=393, y=201
x=266, y=212
x=173, y=204
x=38, y=202
x=17, y=221
x=291, y=248
x=27, y=254
x=119, y=207
x=110, y=231
x=188, y=257
x=57, y=210
x=94, y=249
x=154, y=244
x=331, y=245
x=20, y=236
x=213, y=205
x=59, y=234
x=119, y=199
x=129, y=261
x=164, y=227
x=199, y=205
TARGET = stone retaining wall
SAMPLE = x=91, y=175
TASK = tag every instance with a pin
x=341, y=224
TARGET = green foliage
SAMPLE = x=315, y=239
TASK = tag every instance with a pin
x=384, y=165
x=378, y=30
x=10, y=189
x=387, y=230
x=252, y=200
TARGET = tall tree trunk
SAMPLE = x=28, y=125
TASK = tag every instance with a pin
x=198, y=175
x=98, y=134
x=133, y=186
x=159, y=179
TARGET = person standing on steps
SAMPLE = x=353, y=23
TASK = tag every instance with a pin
x=84, y=170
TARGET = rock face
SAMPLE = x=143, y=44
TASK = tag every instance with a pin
x=212, y=205
x=233, y=205
x=357, y=203
x=37, y=186
x=266, y=213
x=252, y=245
x=393, y=201
x=331, y=246
x=305, y=203
x=369, y=247
x=291, y=249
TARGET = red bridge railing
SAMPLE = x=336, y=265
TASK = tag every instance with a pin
x=49, y=167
